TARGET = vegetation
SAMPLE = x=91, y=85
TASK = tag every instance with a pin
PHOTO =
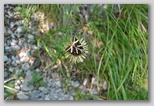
x=118, y=45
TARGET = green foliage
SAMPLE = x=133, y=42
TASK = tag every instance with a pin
x=80, y=96
x=122, y=58
x=9, y=93
x=37, y=80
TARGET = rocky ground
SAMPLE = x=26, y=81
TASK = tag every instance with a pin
x=19, y=56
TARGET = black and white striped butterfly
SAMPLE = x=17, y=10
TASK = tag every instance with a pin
x=77, y=49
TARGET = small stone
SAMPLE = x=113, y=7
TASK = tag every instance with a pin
x=28, y=76
x=66, y=97
x=27, y=87
x=41, y=88
x=58, y=83
x=84, y=90
x=17, y=88
x=21, y=54
x=13, y=36
x=14, y=63
x=24, y=59
x=13, y=57
x=19, y=82
x=9, y=31
x=5, y=58
x=11, y=69
x=22, y=96
x=16, y=47
x=25, y=67
x=31, y=37
x=13, y=42
x=37, y=70
x=85, y=82
x=6, y=74
x=18, y=35
x=18, y=62
x=76, y=84
x=19, y=23
x=32, y=51
x=12, y=24
x=47, y=97
x=71, y=98
x=34, y=95
x=9, y=61
x=72, y=92
x=93, y=92
x=20, y=29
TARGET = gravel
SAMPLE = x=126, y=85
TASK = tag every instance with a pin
x=20, y=47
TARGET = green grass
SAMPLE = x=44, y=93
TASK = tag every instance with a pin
x=122, y=58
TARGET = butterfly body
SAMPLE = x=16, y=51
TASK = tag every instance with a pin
x=77, y=49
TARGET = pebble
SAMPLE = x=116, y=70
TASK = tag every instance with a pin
x=12, y=24
x=17, y=88
x=5, y=58
x=25, y=66
x=26, y=87
x=76, y=84
x=58, y=83
x=13, y=36
x=14, y=63
x=20, y=30
x=28, y=77
x=11, y=69
x=16, y=47
x=37, y=70
x=47, y=97
x=71, y=98
x=31, y=37
x=6, y=74
x=93, y=92
x=34, y=95
x=22, y=96
x=54, y=90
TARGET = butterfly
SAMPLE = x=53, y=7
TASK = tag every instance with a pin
x=77, y=50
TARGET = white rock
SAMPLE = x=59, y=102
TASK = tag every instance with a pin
x=17, y=88
x=24, y=59
x=25, y=66
x=19, y=82
x=22, y=96
x=21, y=54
